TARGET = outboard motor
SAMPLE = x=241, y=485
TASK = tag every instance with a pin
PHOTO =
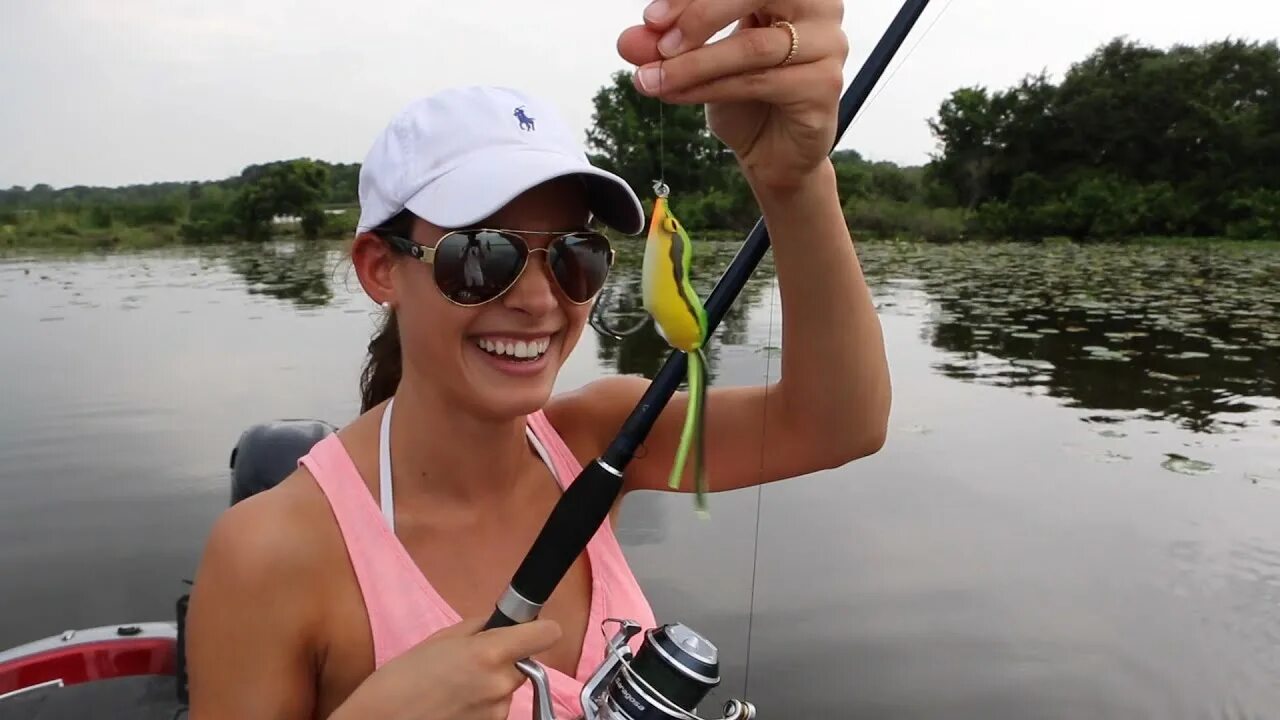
x=268, y=452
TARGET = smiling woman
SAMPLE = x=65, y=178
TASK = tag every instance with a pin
x=472, y=267
x=359, y=586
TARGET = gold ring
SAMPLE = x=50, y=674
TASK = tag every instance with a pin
x=795, y=40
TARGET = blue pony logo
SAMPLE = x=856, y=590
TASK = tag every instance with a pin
x=526, y=122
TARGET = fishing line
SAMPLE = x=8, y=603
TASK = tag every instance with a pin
x=662, y=153
x=902, y=62
x=755, y=556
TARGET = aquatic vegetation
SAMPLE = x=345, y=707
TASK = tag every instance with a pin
x=1185, y=466
x=1160, y=330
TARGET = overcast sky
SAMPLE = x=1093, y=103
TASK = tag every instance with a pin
x=109, y=92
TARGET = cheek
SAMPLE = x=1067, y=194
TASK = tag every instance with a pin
x=432, y=343
x=577, y=320
x=429, y=324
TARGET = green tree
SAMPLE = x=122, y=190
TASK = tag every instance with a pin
x=344, y=184
x=624, y=138
x=965, y=128
x=292, y=188
x=1133, y=140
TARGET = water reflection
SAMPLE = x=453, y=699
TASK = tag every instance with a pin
x=1188, y=334
x=298, y=272
x=1001, y=567
x=644, y=352
x=1180, y=333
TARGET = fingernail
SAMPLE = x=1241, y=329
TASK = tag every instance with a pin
x=657, y=11
x=670, y=43
x=649, y=77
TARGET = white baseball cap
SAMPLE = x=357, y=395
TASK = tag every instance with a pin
x=460, y=155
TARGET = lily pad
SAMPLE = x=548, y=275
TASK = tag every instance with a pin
x=1111, y=456
x=1108, y=354
x=1184, y=465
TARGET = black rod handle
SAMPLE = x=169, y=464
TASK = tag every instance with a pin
x=577, y=516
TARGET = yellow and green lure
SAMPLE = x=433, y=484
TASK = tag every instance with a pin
x=681, y=320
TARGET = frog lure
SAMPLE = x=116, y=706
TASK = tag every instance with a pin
x=680, y=318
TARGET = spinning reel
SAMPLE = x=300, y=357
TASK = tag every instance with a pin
x=673, y=671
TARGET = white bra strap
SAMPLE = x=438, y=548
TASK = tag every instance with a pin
x=542, y=451
x=386, y=498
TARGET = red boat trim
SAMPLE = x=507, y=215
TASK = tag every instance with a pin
x=95, y=658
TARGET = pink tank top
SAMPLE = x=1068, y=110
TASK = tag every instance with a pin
x=403, y=607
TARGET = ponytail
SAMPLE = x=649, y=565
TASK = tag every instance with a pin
x=384, y=366
x=382, y=369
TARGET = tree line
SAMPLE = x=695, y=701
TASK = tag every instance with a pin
x=310, y=198
x=1132, y=141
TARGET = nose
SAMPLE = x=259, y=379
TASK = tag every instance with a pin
x=534, y=293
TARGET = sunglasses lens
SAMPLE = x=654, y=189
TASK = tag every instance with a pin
x=580, y=263
x=473, y=267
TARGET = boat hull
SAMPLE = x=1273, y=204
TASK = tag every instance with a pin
x=92, y=672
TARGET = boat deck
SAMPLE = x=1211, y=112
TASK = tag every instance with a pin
x=148, y=697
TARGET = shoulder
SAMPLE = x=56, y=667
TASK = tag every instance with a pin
x=589, y=417
x=268, y=554
x=256, y=621
x=268, y=527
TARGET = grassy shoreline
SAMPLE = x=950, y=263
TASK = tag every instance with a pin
x=133, y=238
x=130, y=238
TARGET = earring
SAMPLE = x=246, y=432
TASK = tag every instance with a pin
x=386, y=305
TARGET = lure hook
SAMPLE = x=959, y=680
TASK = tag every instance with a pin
x=598, y=323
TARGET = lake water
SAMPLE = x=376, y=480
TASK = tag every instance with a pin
x=1076, y=515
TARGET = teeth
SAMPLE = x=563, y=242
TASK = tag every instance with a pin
x=515, y=348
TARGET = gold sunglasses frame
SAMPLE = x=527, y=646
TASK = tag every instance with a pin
x=427, y=255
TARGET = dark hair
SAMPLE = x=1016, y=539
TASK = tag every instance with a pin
x=384, y=366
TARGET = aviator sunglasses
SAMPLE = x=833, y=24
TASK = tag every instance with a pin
x=476, y=266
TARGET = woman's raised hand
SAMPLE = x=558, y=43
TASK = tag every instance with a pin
x=773, y=101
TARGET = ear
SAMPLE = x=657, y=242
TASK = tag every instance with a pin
x=374, y=260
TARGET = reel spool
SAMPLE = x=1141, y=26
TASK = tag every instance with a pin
x=671, y=674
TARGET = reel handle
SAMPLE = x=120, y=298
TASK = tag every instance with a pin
x=541, y=688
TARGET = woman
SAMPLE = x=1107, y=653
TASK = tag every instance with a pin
x=352, y=591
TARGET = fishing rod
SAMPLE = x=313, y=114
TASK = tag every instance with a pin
x=675, y=667
x=587, y=501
